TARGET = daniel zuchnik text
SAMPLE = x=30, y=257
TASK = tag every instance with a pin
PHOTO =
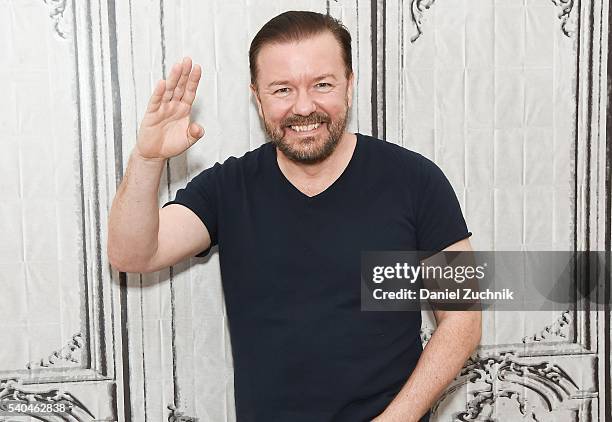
x=446, y=294
x=457, y=274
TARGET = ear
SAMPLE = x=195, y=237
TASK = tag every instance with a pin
x=256, y=95
x=349, y=89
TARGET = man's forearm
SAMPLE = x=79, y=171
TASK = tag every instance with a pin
x=443, y=357
x=133, y=222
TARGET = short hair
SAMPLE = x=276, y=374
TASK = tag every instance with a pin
x=293, y=26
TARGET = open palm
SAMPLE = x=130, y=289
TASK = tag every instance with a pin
x=166, y=129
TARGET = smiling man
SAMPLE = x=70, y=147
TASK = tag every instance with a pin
x=305, y=117
x=291, y=219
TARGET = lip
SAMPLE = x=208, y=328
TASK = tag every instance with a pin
x=306, y=132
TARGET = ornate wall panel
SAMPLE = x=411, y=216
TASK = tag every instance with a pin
x=59, y=307
x=507, y=96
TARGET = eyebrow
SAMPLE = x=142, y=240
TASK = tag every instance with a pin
x=327, y=75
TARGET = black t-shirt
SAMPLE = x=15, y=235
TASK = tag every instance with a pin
x=290, y=265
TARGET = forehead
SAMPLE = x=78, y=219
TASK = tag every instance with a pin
x=307, y=58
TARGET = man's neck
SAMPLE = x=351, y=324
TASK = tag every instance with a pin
x=314, y=178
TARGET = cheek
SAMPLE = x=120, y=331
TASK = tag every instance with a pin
x=334, y=111
x=276, y=112
x=333, y=104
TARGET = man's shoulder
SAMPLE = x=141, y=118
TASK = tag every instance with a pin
x=247, y=164
x=233, y=171
x=390, y=154
x=249, y=158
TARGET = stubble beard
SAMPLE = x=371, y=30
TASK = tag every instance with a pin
x=307, y=150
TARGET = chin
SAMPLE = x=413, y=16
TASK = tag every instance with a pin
x=313, y=152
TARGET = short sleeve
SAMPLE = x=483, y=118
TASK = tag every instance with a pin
x=440, y=222
x=200, y=195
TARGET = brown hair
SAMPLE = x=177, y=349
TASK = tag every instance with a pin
x=294, y=26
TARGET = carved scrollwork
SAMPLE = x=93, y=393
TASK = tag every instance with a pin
x=70, y=353
x=178, y=416
x=475, y=407
x=12, y=390
x=57, y=14
x=568, y=20
x=566, y=15
x=556, y=331
x=505, y=376
x=417, y=11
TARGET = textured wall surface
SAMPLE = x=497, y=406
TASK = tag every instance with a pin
x=507, y=96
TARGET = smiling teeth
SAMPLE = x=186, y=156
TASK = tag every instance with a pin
x=305, y=128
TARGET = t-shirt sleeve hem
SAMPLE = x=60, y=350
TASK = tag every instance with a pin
x=203, y=215
x=443, y=245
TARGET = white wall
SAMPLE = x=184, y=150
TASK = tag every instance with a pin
x=508, y=97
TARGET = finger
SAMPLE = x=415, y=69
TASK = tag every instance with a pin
x=194, y=132
x=156, y=96
x=171, y=82
x=192, y=85
x=180, y=87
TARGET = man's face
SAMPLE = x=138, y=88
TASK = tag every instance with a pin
x=303, y=96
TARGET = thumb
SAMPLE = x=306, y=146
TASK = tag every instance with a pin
x=194, y=132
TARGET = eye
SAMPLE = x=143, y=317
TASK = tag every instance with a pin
x=323, y=85
x=282, y=91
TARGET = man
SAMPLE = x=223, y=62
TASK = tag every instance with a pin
x=291, y=219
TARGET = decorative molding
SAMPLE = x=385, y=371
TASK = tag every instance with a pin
x=178, y=416
x=57, y=14
x=70, y=353
x=417, y=11
x=568, y=20
x=12, y=390
x=504, y=376
x=558, y=330
x=566, y=15
x=476, y=406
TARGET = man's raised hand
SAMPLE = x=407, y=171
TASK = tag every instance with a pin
x=166, y=129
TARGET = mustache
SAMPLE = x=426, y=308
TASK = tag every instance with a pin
x=313, y=118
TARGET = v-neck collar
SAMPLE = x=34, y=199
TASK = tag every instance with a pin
x=293, y=190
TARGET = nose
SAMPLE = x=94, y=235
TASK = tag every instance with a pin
x=304, y=105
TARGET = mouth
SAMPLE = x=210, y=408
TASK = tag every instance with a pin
x=306, y=129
